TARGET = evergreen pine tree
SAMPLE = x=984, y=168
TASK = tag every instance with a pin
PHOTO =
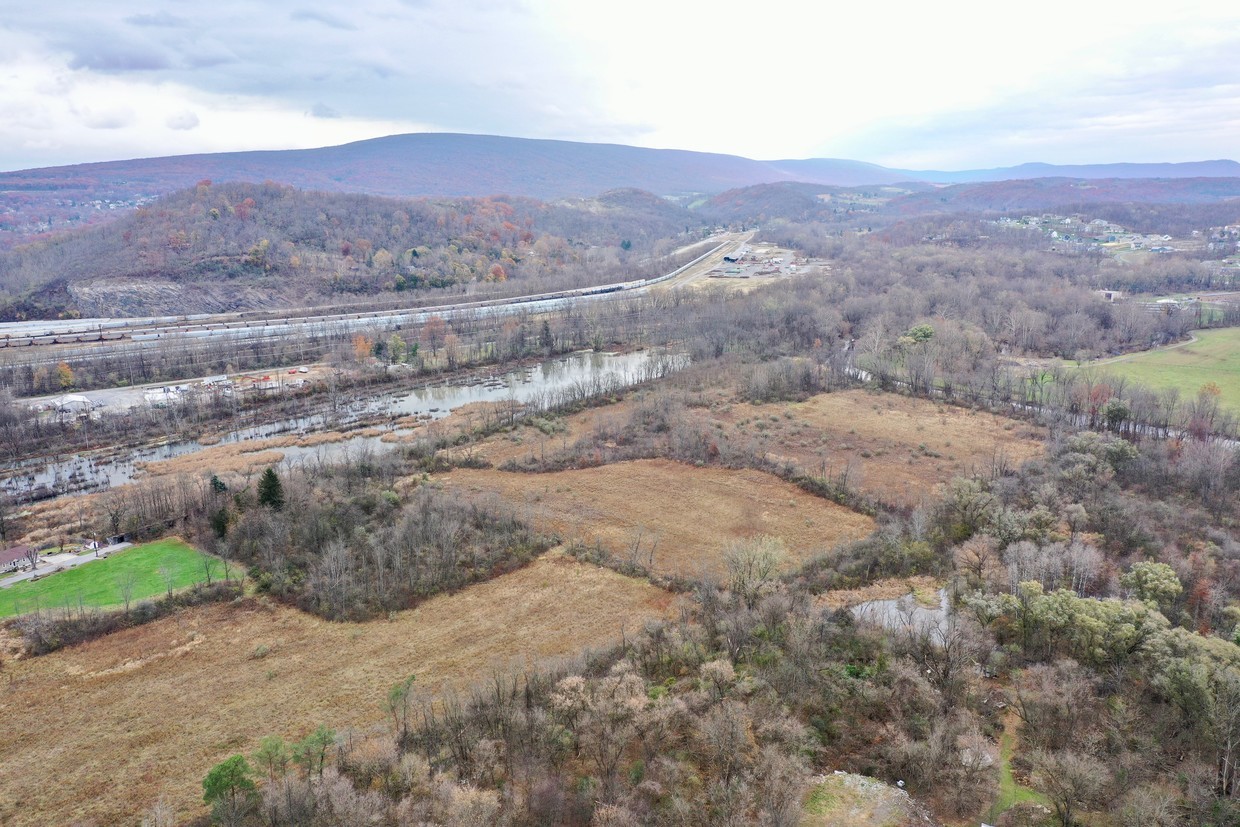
x=270, y=490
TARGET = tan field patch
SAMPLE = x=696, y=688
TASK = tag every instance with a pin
x=148, y=711
x=925, y=590
x=897, y=448
x=848, y=800
x=529, y=442
x=232, y=458
x=301, y=440
x=694, y=514
x=248, y=456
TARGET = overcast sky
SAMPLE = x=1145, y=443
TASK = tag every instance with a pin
x=946, y=85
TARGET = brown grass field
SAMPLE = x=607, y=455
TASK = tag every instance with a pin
x=233, y=458
x=244, y=457
x=95, y=734
x=694, y=513
x=899, y=449
x=527, y=441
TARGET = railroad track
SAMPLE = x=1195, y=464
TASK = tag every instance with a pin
x=246, y=324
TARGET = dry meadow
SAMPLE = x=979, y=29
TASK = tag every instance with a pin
x=95, y=734
x=688, y=516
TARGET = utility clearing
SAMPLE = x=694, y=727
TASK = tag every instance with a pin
x=848, y=800
x=147, y=711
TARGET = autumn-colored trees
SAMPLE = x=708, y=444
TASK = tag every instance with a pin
x=64, y=375
x=434, y=332
x=333, y=243
x=362, y=346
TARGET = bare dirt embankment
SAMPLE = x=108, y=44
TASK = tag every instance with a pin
x=148, y=711
x=689, y=516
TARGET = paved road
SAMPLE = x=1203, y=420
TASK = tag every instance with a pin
x=51, y=562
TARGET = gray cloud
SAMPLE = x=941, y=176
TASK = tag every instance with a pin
x=160, y=18
x=517, y=67
x=436, y=61
x=329, y=20
x=104, y=55
x=118, y=118
x=320, y=110
x=182, y=121
x=1177, y=105
x=208, y=57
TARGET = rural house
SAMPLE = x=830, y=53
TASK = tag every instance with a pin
x=11, y=558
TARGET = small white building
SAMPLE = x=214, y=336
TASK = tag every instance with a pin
x=72, y=403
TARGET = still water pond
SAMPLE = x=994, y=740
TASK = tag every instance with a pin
x=577, y=375
x=904, y=612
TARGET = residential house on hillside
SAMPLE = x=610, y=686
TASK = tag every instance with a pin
x=12, y=558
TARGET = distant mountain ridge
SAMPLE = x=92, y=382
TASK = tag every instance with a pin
x=1045, y=193
x=38, y=202
x=431, y=164
x=1189, y=169
x=451, y=164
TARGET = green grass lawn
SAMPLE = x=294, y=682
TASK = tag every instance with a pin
x=1010, y=793
x=99, y=582
x=1215, y=357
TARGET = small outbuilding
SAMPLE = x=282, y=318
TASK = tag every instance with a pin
x=72, y=403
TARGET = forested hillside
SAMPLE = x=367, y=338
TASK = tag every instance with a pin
x=1046, y=193
x=226, y=246
x=800, y=202
x=1145, y=205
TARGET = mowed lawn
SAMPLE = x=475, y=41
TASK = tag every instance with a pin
x=100, y=582
x=1214, y=357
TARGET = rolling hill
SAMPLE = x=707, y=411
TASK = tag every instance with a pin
x=35, y=202
x=217, y=247
x=1045, y=193
x=1158, y=204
